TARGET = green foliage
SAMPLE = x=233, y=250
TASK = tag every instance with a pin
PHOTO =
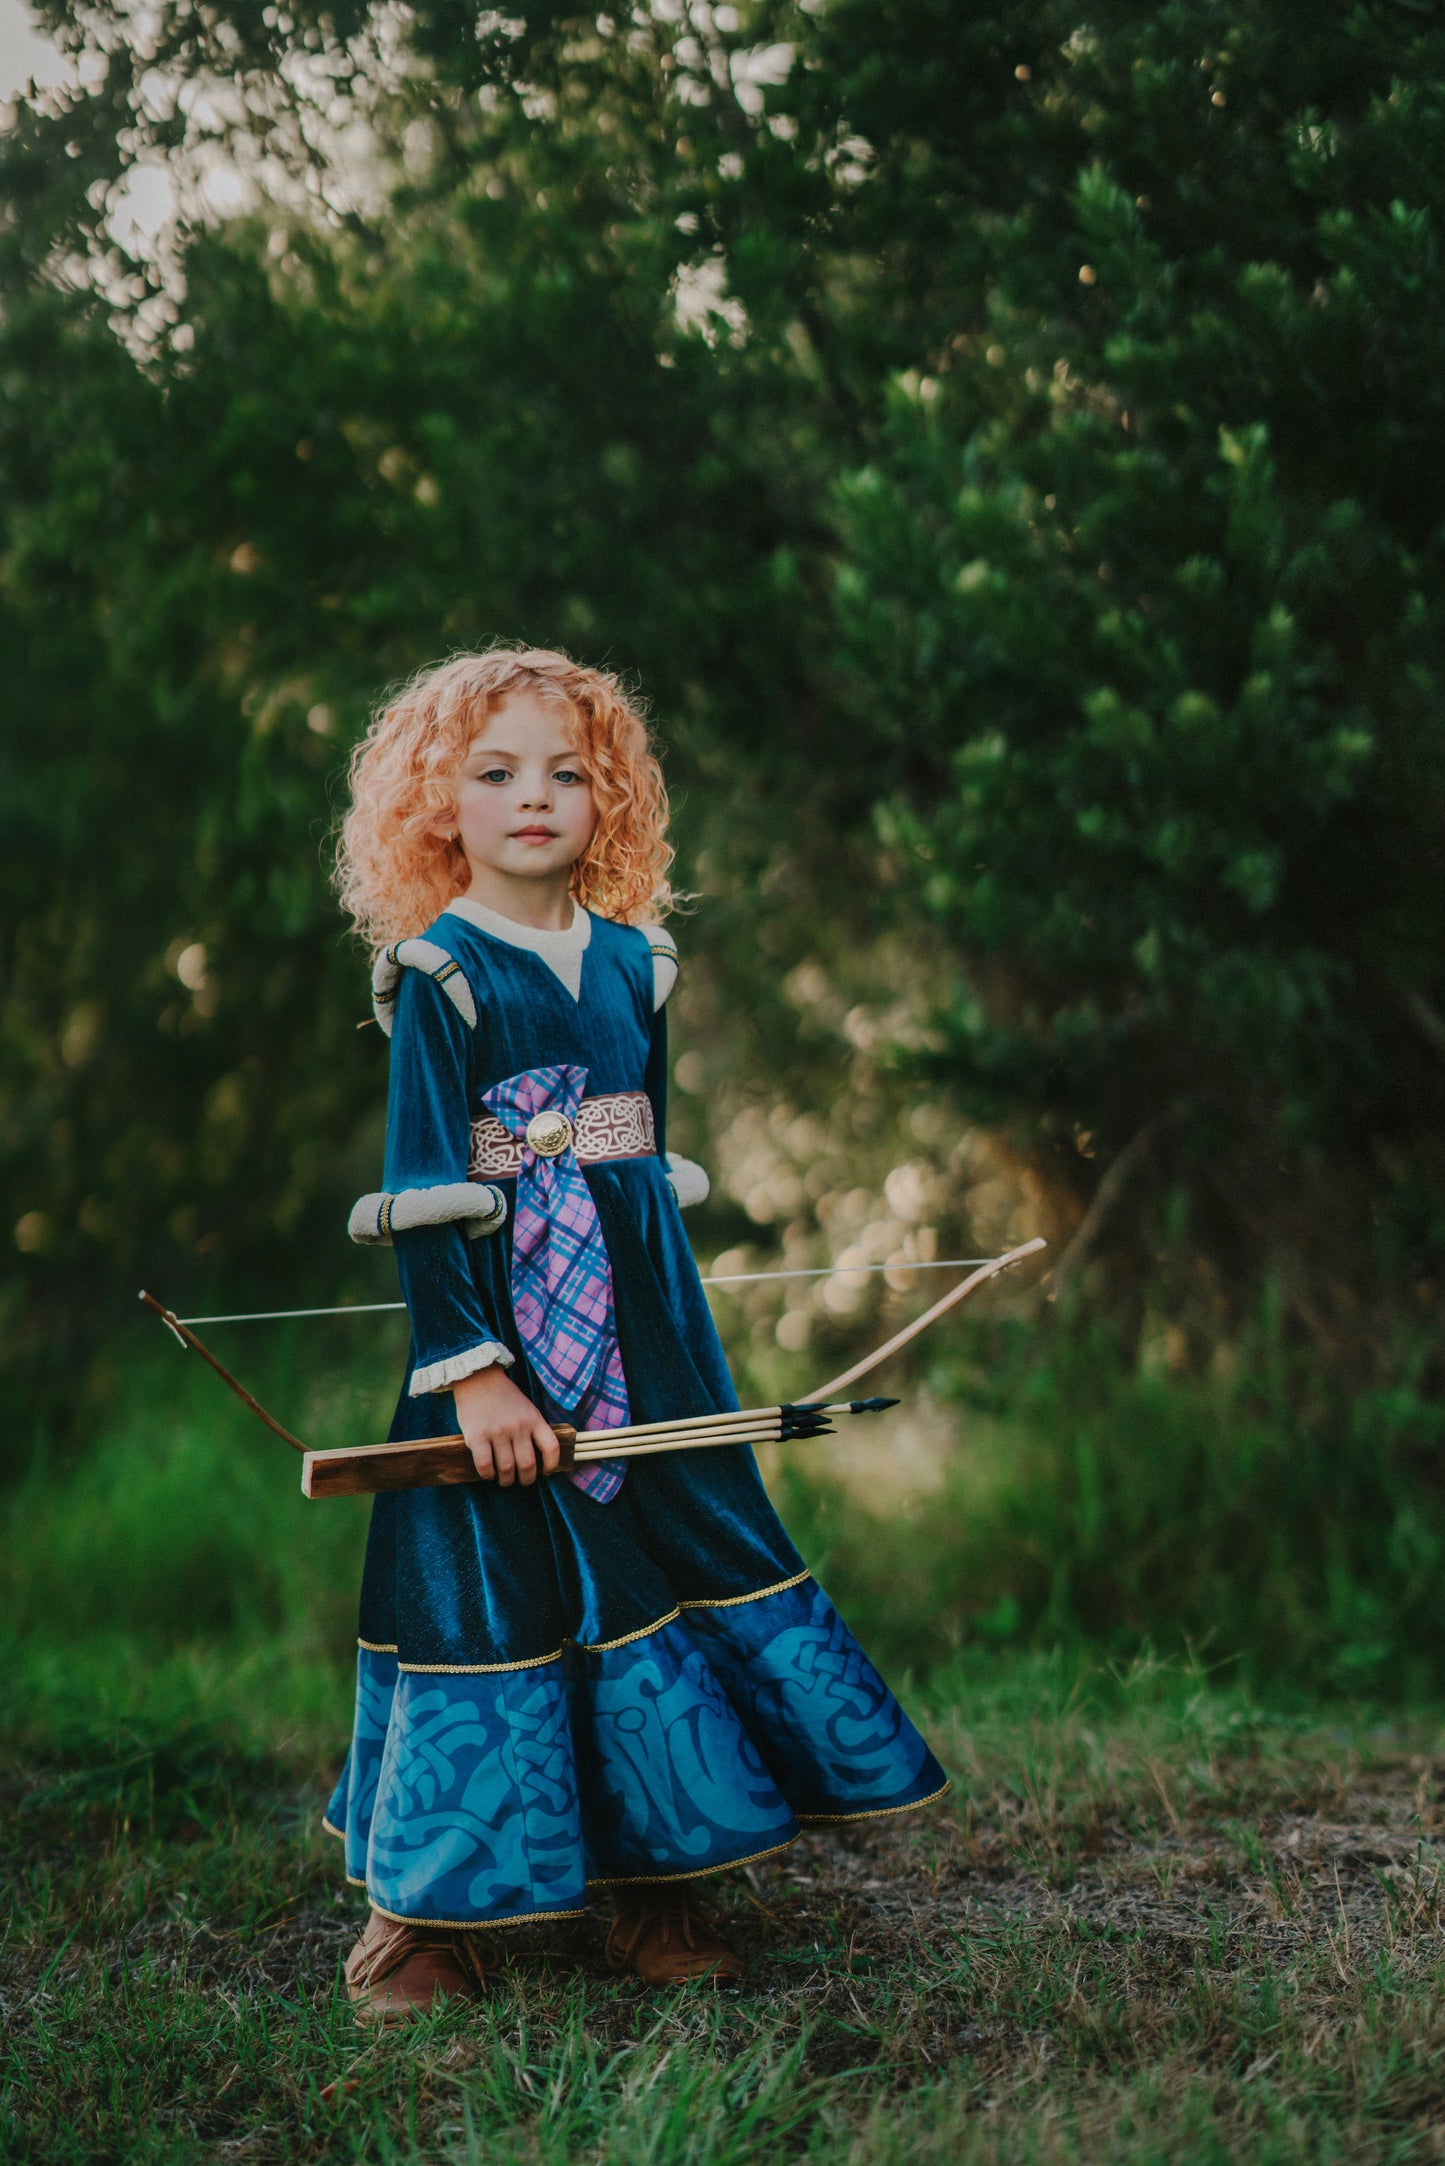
x=1048, y=408
x=1002, y=449
x=372, y=444
x=188, y=1523
x=1258, y=1516
x=1260, y=1513
x=1142, y=583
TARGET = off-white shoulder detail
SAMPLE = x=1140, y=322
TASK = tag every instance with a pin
x=474, y=1205
x=441, y=1375
x=562, y=952
x=664, y=962
x=443, y=969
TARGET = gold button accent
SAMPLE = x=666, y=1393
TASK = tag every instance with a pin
x=549, y=1134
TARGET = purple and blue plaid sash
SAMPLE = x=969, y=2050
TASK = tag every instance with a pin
x=561, y=1275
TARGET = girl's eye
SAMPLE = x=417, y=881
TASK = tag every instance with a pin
x=568, y=774
x=495, y=774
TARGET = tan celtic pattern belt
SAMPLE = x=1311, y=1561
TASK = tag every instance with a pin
x=615, y=1125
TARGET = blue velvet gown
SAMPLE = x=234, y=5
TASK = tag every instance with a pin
x=553, y=1692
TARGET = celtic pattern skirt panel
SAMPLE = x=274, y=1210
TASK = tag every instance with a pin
x=829, y=1730
x=484, y=1799
x=475, y=1817
x=674, y=1784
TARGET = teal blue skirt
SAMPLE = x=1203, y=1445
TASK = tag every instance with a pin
x=553, y=1693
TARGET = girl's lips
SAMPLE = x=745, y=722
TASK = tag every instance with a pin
x=534, y=834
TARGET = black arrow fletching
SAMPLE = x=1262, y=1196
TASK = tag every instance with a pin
x=805, y=1407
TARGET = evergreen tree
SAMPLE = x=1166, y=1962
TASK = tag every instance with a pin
x=1005, y=447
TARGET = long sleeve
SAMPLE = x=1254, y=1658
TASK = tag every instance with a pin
x=428, y=1135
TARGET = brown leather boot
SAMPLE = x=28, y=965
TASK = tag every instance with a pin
x=668, y=1936
x=399, y=1970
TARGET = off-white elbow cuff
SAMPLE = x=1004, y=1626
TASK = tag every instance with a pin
x=441, y=1375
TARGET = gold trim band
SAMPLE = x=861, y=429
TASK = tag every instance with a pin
x=477, y=1669
x=587, y=1647
x=476, y=1925
x=736, y=1601
x=377, y=1647
x=643, y=1632
x=533, y=1662
x=879, y=1812
x=650, y=1880
x=695, y=1872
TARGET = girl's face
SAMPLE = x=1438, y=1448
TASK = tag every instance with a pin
x=524, y=808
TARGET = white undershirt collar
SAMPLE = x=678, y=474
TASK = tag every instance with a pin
x=562, y=952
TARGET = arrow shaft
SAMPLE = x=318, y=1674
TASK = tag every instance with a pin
x=705, y=1441
x=691, y=1421
x=687, y=1438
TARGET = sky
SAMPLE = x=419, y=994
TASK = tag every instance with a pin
x=23, y=53
x=145, y=202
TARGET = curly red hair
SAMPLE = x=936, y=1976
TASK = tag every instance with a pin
x=393, y=875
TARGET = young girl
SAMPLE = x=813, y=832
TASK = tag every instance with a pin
x=587, y=1681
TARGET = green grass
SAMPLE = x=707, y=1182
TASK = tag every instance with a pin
x=1253, y=1510
x=1157, y=1922
x=1167, y=1915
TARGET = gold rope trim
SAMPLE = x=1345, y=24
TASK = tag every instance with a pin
x=353, y=1882
x=735, y=1601
x=583, y=1647
x=694, y=1872
x=328, y=1829
x=879, y=1812
x=475, y=1925
x=592, y=1647
x=604, y=1647
x=473, y=1669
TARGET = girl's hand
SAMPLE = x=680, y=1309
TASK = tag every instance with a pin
x=507, y=1437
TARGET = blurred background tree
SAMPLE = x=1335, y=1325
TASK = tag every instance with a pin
x=1003, y=445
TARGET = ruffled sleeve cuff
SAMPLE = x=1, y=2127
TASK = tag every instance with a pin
x=441, y=1375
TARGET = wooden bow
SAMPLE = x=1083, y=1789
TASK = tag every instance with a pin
x=951, y=1299
x=435, y=1462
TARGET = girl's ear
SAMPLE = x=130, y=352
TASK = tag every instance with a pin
x=443, y=824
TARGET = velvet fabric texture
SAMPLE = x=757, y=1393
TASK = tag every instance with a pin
x=553, y=1690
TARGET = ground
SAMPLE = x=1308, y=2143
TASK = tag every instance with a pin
x=1155, y=1921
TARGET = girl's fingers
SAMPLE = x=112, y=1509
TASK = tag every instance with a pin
x=519, y=1458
